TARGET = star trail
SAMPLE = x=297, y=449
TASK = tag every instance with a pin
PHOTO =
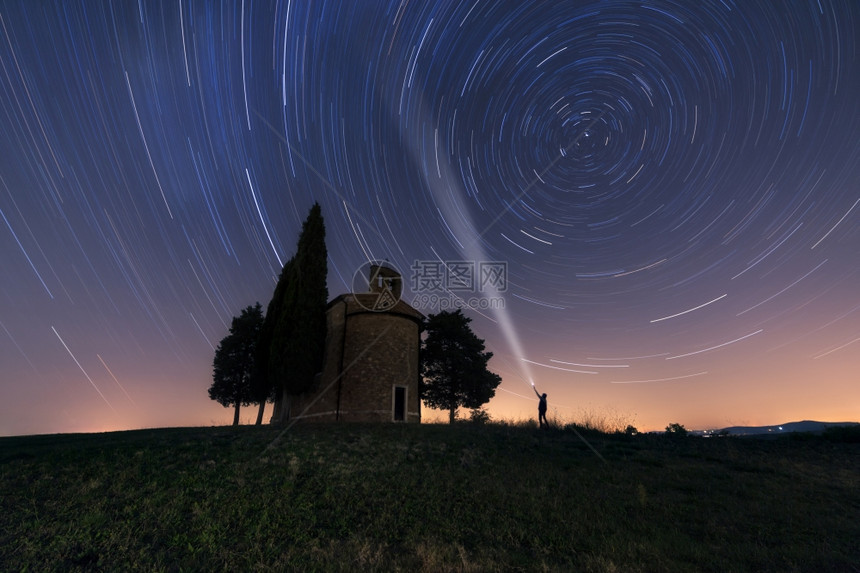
x=673, y=187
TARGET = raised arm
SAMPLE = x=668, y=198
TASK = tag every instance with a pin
x=536, y=392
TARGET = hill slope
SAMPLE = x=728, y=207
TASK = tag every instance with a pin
x=804, y=426
x=396, y=497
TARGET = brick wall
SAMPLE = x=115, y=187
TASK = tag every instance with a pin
x=367, y=354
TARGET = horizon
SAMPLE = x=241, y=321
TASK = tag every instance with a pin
x=649, y=211
x=439, y=418
x=438, y=421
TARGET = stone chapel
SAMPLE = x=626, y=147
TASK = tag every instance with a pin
x=370, y=367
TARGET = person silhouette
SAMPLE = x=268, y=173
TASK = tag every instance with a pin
x=541, y=408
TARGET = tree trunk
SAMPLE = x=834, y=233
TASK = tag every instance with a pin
x=236, y=415
x=260, y=413
x=276, y=409
x=285, y=411
x=452, y=415
x=281, y=413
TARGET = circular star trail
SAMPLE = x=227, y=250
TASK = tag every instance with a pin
x=671, y=187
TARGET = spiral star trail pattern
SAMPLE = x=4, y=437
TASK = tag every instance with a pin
x=674, y=186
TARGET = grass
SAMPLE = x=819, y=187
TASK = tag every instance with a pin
x=468, y=497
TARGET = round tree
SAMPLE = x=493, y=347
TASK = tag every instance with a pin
x=233, y=365
x=454, y=365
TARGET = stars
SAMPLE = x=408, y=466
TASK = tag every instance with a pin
x=622, y=160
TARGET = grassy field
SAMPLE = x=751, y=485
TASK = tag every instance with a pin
x=466, y=497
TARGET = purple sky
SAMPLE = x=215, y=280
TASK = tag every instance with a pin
x=673, y=188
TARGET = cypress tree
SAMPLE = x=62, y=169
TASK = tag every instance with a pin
x=265, y=386
x=299, y=329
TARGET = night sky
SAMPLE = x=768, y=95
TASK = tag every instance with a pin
x=673, y=186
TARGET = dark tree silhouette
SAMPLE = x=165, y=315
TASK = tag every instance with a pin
x=299, y=328
x=234, y=361
x=454, y=365
x=676, y=430
x=264, y=384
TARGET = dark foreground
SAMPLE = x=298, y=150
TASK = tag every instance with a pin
x=433, y=498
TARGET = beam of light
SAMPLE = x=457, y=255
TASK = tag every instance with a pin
x=691, y=309
x=84, y=371
x=446, y=189
x=455, y=296
x=115, y=379
x=717, y=346
x=658, y=379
